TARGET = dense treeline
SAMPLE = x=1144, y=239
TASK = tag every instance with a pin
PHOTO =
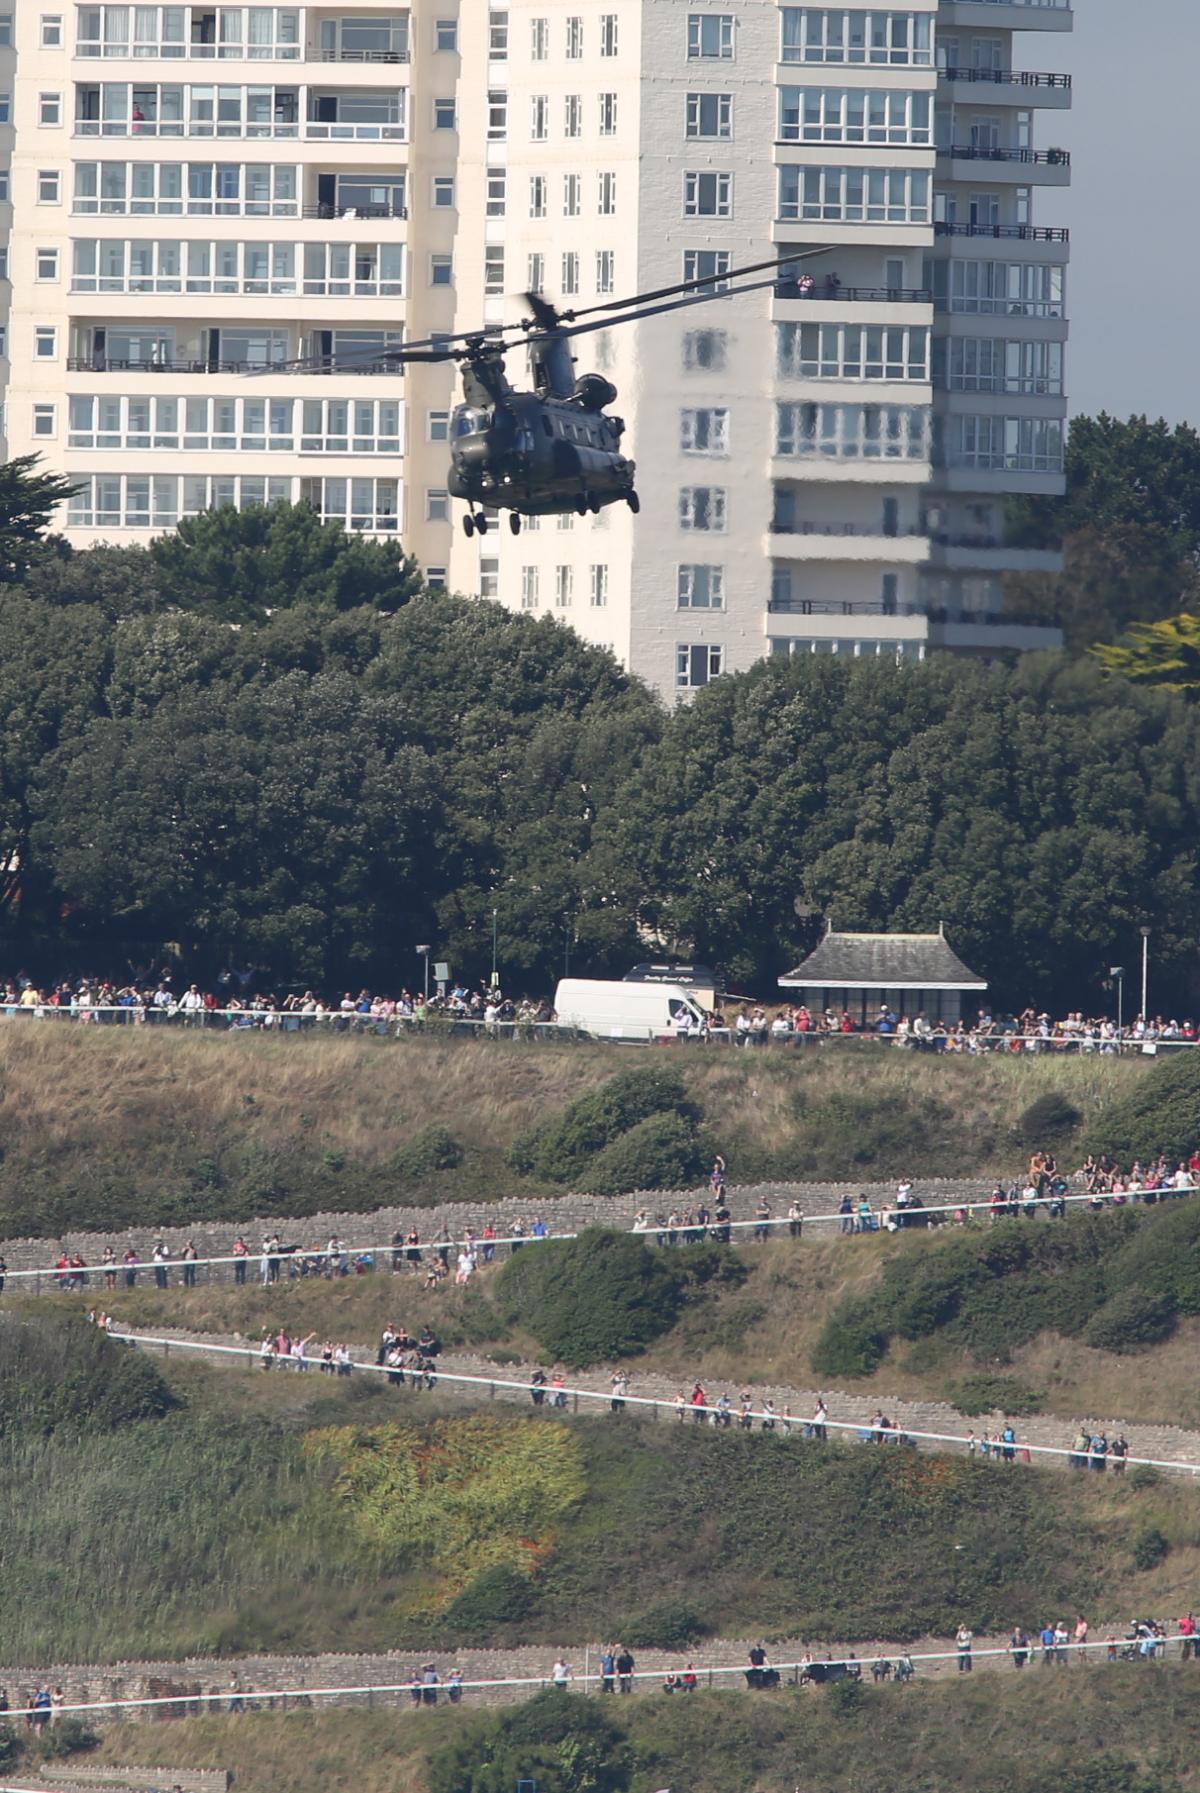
x=234, y=766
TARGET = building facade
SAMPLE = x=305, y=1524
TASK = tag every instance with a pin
x=203, y=193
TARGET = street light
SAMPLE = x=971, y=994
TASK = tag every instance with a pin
x=495, y=979
x=423, y=952
x=1118, y=971
x=1145, y=962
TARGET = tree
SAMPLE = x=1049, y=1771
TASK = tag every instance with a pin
x=28, y=500
x=1121, y=475
x=1164, y=654
x=239, y=565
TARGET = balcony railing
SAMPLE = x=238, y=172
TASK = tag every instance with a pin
x=970, y=152
x=872, y=295
x=91, y=49
x=317, y=55
x=1033, y=5
x=117, y=364
x=1022, y=233
x=226, y=208
x=936, y=613
x=311, y=129
x=1020, y=387
x=779, y=526
x=1004, y=77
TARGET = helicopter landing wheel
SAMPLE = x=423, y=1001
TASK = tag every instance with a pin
x=514, y=522
x=593, y=504
x=468, y=523
x=581, y=505
x=634, y=502
x=481, y=524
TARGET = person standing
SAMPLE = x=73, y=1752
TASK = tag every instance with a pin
x=1081, y=1637
x=240, y=1254
x=625, y=1666
x=962, y=1642
x=608, y=1669
x=1018, y=1645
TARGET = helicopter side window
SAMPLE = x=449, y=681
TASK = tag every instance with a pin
x=547, y=425
x=465, y=421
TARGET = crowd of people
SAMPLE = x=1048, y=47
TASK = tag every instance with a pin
x=1031, y=1030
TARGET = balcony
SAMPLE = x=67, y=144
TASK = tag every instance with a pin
x=1041, y=167
x=1007, y=233
x=843, y=542
x=933, y=613
x=990, y=554
x=1013, y=87
x=1007, y=15
x=854, y=295
x=114, y=364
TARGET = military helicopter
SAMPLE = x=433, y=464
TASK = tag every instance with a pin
x=557, y=448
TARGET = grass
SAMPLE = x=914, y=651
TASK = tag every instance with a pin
x=229, y=1128
x=1130, y=1730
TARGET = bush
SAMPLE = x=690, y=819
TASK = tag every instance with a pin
x=659, y=1153
x=57, y=1373
x=561, y=1149
x=500, y=1596
x=995, y=1394
x=594, y=1298
x=1161, y=1113
x=1144, y=1476
x=434, y=1148
x=1149, y=1548
x=69, y=1735
x=561, y=1744
x=1131, y=1321
x=851, y=1342
x=1049, y=1120
x=666, y=1627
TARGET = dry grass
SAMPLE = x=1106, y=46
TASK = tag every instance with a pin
x=355, y=1751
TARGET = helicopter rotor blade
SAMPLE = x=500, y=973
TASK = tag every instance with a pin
x=650, y=311
x=687, y=286
x=545, y=316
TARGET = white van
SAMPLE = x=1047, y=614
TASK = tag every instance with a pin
x=621, y=1011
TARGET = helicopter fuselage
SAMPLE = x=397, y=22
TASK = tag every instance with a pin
x=538, y=455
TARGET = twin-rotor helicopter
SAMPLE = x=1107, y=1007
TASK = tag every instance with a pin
x=557, y=448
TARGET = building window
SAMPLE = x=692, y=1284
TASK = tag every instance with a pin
x=599, y=587
x=696, y=664
x=564, y=520
x=3, y=341
x=445, y=34
x=50, y=109
x=45, y=342
x=1005, y=444
x=497, y=129
x=855, y=195
x=572, y=187
x=52, y=31
x=573, y=115
x=537, y=196
x=608, y=34
x=704, y=431
x=437, y=426
x=710, y=115
x=710, y=36
x=605, y=272
x=855, y=352
x=700, y=588
x=704, y=351
x=535, y=273
x=708, y=265
x=44, y=420
x=5, y=108
x=853, y=432
x=606, y=195
x=6, y=31
x=529, y=588
x=707, y=195
x=834, y=34
x=437, y=505
x=444, y=115
x=855, y=115
x=489, y=578
x=539, y=117
x=443, y=192
x=570, y=274
x=45, y=262
x=608, y=114
x=498, y=36
x=496, y=201
x=49, y=186
x=539, y=40
x=4, y=264
x=441, y=270
x=574, y=38
x=564, y=584
x=493, y=270
x=435, y=578
x=702, y=508
x=4, y=189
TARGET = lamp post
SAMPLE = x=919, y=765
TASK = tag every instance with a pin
x=1118, y=971
x=1145, y=966
x=423, y=952
x=495, y=915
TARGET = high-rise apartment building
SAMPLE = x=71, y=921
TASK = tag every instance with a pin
x=203, y=192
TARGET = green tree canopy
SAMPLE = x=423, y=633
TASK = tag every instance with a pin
x=1165, y=654
x=28, y=501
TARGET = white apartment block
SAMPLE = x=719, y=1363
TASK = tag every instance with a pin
x=202, y=190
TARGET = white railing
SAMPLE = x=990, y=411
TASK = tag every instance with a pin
x=618, y=1399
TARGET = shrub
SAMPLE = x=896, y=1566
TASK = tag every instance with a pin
x=665, y=1627
x=1144, y=1476
x=1149, y=1548
x=659, y=1153
x=562, y=1745
x=500, y=1596
x=58, y=1372
x=851, y=1342
x=845, y=1698
x=69, y=1735
x=995, y=1394
x=599, y=1296
x=1130, y=1321
x=560, y=1149
x=1161, y=1113
x=1048, y=1120
x=434, y=1148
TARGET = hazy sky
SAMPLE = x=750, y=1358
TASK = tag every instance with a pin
x=1134, y=204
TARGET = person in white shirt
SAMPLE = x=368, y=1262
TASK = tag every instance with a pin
x=560, y=1674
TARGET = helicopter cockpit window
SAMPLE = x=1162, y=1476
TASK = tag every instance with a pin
x=466, y=421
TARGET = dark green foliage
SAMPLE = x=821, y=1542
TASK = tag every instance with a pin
x=852, y=1342
x=565, y=1745
x=562, y=1148
x=995, y=1394
x=846, y=1698
x=594, y=1298
x=658, y=1153
x=1048, y=1120
x=1149, y=1548
x=501, y=1596
x=666, y=1627
x=28, y=501
x=69, y=1735
x=1159, y=1113
x=1144, y=1476
x=1131, y=1320
x=434, y=1148
x=10, y=1747
x=62, y=1374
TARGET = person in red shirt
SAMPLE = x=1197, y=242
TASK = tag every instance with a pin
x=1187, y=1631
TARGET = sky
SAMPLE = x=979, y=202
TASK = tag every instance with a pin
x=1134, y=204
